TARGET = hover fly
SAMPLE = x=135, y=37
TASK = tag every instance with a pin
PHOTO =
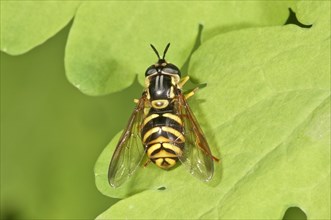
x=163, y=127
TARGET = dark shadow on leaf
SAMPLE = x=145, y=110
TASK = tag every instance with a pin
x=292, y=19
x=294, y=213
x=10, y=213
x=196, y=45
x=222, y=29
x=191, y=84
x=162, y=188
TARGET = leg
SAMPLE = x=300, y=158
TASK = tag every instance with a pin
x=183, y=81
x=188, y=95
x=215, y=159
x=146, y=163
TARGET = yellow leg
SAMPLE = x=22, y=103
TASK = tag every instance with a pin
x=183, y=81
x=136, y=101
x=146, y=163
x=188, y=95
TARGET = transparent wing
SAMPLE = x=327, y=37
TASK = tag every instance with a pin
x=129, y=151
x=196, y=155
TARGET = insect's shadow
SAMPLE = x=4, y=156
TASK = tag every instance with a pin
x=211, y=136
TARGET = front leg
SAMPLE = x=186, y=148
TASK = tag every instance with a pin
x=191, y=93
x=183, y=81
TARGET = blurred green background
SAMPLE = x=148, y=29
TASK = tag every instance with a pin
x=51, y=136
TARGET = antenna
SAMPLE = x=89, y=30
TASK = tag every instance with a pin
x=157, y=53
x=155, y=50
x=165, y=50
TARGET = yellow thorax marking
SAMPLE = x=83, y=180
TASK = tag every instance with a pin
x=174, y=79
x=160, y=103
x=171, y=93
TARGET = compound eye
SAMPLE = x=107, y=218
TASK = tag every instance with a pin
x=171, y=69
x=150, y=70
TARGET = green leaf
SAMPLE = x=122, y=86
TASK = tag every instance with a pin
x=266, y=114
x=27, y=24
x=317, y=13
x=109, y=41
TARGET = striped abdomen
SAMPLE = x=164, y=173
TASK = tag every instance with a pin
x=163, y=137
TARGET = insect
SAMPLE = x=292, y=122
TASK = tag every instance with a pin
x=163, y=127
